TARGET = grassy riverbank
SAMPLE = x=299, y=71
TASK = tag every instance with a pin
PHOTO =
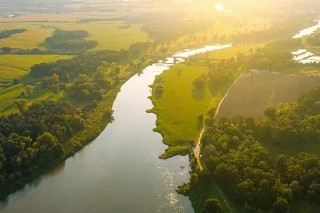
x=181, y=106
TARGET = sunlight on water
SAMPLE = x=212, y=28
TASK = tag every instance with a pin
x=189, y=53
x=307, y=31
x=109, y=169
x=303, y=56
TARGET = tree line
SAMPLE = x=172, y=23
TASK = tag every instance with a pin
x=40, y=135
x=8, y=33
x=69, y=42
x=235, y=156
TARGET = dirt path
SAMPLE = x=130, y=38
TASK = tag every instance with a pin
x=198, y=145
x=197, y=149
x=225, y=96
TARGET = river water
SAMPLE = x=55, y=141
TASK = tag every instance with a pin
x=120, y=170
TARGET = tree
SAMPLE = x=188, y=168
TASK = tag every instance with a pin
x=194, y=179
x=45, y=83
x=6, y=49
x=314, y=191
x=49, y=146
x=281, y=205
x=29, y=89
x=271, y=113
x=15, y=81
x=199, y=83
x=21, y=104
x=281, y=163
x=55, y=78
x=212, y=206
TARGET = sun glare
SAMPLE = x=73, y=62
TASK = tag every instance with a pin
x=218, y=7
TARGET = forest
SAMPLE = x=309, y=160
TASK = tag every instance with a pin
x=69, y=42
x=236, y=158
x=8, y=33
x=42, y=133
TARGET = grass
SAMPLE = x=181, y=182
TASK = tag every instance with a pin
x=17, y=66
x=110, y=35
x=228, y=53
x=205, y=190
x=180, y=105
x=32, y=38
x=8, y=95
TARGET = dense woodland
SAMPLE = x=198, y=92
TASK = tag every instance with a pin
x=8, y=33
x=37, y=137
x=69, y=42
x=40, y=135
x=234, y=157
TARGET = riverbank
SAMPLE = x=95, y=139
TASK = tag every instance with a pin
x=93, y=126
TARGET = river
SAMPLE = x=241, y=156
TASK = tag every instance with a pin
x=120, y=170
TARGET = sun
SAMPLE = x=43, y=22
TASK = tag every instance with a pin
x=218, y=7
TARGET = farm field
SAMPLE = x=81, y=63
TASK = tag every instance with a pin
x=32, y=38
x=17, y=66
x=38, y=17
x=109, y=35
x=251, y=95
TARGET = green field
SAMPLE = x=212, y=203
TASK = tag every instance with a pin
x=109, y=35
x=32, y=38
x=16, y=66
x=180, y=104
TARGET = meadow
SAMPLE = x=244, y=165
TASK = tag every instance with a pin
x=17, y=66
x=32, y=38
x=109, y=35
x=180, y=105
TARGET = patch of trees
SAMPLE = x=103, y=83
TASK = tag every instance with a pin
x=139, y=48
x=157, y=87
x=8, y=33
x=69, y=42
x=35, y=138
x=221, y=74
x=168, y=28
x=275, y=56
x=234, y=158
x=85, y=77
x=280, y=30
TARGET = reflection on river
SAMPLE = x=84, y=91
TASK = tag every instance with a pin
x=120, y=170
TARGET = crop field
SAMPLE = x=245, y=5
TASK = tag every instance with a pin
x=38, y=17
x=16, y=66
x=32, y=38
x=253, y=94
x=110, y=35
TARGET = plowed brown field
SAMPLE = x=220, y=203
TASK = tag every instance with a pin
x=251, y=95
